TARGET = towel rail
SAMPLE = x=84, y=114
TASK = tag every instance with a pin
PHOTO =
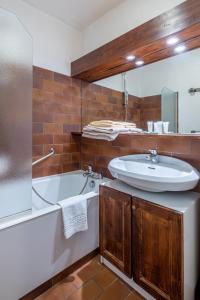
x=51, y=152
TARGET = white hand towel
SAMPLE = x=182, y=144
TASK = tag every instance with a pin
x=89, y=128
x=109, y=123
x=74, y=212
x=107, y=136
x=100, y=136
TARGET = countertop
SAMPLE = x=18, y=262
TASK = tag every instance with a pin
x=179, y=201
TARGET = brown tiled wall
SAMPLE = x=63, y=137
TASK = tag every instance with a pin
x=98, y=153
x=150, y=110
x=56, y=113
x=103, y=103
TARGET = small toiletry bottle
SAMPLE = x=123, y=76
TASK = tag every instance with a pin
x=165, y=127
x=150, y=126
x=158, y=127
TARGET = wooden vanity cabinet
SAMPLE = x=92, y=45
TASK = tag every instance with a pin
x=157, y=235
x=115, y=228
x=143, y=240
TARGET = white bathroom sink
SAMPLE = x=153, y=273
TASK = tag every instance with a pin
x=169, y=174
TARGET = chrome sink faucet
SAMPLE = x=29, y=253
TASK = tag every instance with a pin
x=153, y=156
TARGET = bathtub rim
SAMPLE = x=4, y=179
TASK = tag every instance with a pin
x=29, y=215
x=56, y=175
x=25, y=216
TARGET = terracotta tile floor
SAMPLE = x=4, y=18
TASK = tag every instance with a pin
x=92, y=281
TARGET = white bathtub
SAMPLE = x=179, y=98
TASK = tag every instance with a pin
x=33, y=248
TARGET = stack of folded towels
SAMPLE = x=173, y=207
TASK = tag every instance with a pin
x=108, y=130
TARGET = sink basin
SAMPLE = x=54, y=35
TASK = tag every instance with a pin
x=169, y=174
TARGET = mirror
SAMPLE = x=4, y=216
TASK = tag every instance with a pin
x=168, y=91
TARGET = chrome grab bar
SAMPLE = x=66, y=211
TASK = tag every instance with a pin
x=51, y=152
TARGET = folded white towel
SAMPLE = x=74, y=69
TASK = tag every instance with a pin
x=107, y=135
x=100, y=136
x=74, y=212
x=136, y=130
x=109, y=123
x=90, y=128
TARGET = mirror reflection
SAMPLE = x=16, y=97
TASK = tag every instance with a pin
x=167, y=94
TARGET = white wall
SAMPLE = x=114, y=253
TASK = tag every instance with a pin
x=113, y=82
x=133, y=82
x=126, y=16
x=55, y=44
x=179, y=73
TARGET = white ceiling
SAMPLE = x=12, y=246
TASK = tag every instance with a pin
x=77, y=13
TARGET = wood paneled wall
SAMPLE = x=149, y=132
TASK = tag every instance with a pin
x=56, y=113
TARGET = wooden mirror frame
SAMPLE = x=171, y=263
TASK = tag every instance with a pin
x=146, y=42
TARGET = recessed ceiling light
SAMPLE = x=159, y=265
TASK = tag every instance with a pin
x=130, y=57
x=172, y=41
x=180, y=48
x=139, y=62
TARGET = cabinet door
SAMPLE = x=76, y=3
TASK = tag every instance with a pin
x=115, y=228
x=157, y=249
